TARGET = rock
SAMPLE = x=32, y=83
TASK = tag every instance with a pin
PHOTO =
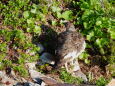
x=5, y=80
x=39, y=78
x=40, y=63
x=31, y=65
x=49, y=81
x=43, y=84
x=18, y=84
x=31, y=84
x=28, y=51
x=77, y=71
x=36, y=76
x=41, y=48
x=80, y=74
x=47, y=58
x=27, y=84
x=111, y=83
x=32, y=71
x=63, y=84
x=86, y=85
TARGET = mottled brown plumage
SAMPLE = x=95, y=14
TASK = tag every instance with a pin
x=70, y=45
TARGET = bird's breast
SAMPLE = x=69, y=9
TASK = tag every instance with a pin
x=71, y=55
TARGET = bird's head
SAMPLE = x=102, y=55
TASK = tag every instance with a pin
x=70, y=27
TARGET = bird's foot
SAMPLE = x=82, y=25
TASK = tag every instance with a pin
x=68, y=68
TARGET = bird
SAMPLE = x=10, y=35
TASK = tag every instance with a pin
x=70, y=45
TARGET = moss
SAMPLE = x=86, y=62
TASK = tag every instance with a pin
x=21, y=70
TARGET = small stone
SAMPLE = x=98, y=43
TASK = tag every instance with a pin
x=47, y=58
x=5, y=80
x=111, y=83
x=23, y=80
x=28, y=51
x=41, y=79
x=64, y=84
x=80, y=74
x=18, y=84
x=36, y=75
x=31, y=84
x=49, y=81
x=38, y=80
x=31, y=65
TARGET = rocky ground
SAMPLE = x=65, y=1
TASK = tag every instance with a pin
x=36, y=79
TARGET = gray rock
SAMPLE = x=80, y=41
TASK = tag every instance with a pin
x=31, y=65
x=41, y=79
x=5, y=80
x=80, y=74
x=27, y=84
x=47, y=58
x=36, y=76
x=64, y=84
x=31, y=84
x=111, y=83
x=49, y=81
x=18, y=84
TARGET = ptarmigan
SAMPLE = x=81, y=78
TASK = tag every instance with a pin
x=70, y=45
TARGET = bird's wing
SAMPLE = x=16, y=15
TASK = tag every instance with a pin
x=69, y=42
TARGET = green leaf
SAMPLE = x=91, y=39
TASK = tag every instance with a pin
x=84, y=5
x=98, y=23
x=26, y=14
x=55, y=9
x=98, y=42
x=34, y=6
x=30, y=21
x=37, y=29
x=84, y=55
x=54, y=23
x=28, y=29
x=101, y=82
x=59, y=15
x=87, y=61
x=101, y=42
x=85, y=24
x=90, y=35
x=67, y=15
x=33, y=11
x=112, y=33
x=3, y=47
